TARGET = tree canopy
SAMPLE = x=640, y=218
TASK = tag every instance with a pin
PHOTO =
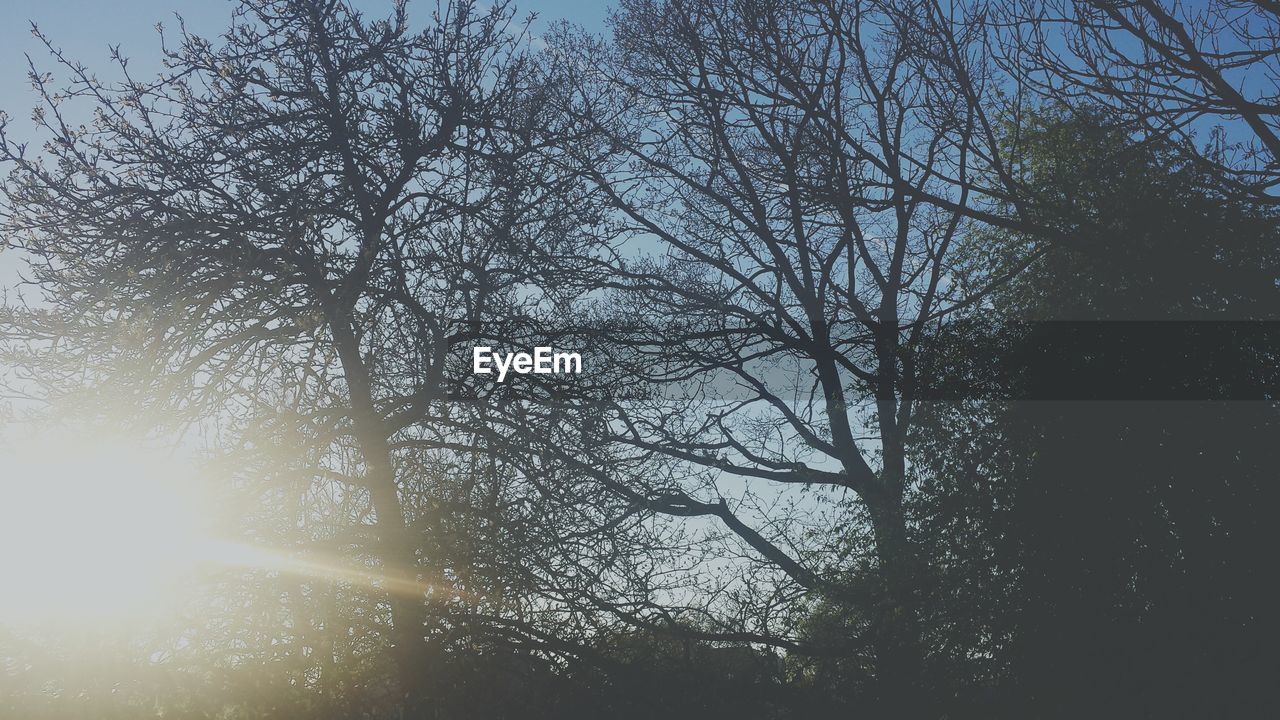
x=801, y=246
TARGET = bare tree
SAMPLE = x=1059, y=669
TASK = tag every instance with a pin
x=1201, y=75
x=294, y=235
x=804, y=168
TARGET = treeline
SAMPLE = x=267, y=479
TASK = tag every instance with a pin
x=767, y=227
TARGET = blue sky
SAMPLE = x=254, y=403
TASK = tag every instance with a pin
x=84, y=29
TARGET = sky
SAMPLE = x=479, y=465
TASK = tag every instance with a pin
x=84, y=30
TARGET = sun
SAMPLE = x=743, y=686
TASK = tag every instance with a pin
x=94, y=529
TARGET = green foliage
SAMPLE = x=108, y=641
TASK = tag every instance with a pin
x=1103, y=545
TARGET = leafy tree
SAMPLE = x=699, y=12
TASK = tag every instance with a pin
x=1107, y=545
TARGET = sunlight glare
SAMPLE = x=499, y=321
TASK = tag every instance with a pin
x=94, y=529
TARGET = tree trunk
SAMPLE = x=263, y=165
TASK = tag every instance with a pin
x=899, y=646
x=399, y=567
x=405, y=593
